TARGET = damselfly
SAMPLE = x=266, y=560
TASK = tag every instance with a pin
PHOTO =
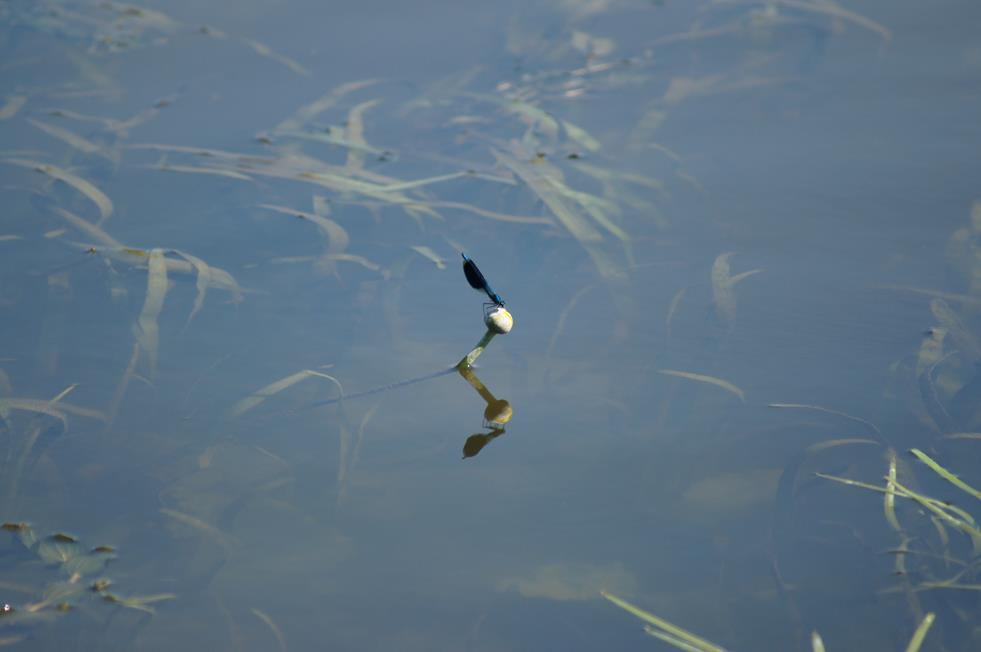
x=478, y=282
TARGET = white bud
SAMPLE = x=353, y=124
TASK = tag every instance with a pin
x=499, y=320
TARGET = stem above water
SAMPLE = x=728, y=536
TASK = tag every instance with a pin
x=469, y=359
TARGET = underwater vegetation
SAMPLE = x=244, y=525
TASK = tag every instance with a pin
x=208, y=296
x=77, y=580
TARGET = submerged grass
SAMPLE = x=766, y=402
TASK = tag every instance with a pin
x=666, y=631
x=689, y=642
x=80, y=579
x=539, y=151
x=708, y=380
x=945, y=474
x=257, y=398
x=99, y=198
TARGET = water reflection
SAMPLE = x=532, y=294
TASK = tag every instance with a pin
x=275, y=233
x=496, y=415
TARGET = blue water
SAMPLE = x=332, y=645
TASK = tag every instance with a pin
x=836, y=153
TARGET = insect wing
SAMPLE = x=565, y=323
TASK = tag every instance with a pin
x=477, y=281
x=474, y=277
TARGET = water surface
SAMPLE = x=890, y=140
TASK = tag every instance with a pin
x=693, y=212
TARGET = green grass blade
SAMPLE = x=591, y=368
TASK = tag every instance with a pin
x=965, y=523
x=696, y=642
x=671, y=640
x=945, y=474
x=920, y=633
x=817, y=643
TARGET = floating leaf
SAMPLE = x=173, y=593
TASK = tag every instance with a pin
x=56, y=551
x=139, y=603
x=24, y=533
x=62, y=537
x=59, y=593
x=87, y=564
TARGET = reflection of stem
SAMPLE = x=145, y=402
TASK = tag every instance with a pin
x=471, y=378
x=469, y=359
x=498, y=411
x=462, y=365
x=378, y=390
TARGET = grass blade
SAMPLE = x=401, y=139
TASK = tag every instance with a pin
x=66, y=136
x=711, y=380
x=88, y=228
x=202, y=282
x=147, y=328
x=945, y=474
x=97, y=197
x=12, y=106
x=355, y=134
x=817, y=644
x=889, y=502
x=818, y=408
x=277, y=632
x=697, y=642
x=679, y=643
x=920, y=633
x=272, y=389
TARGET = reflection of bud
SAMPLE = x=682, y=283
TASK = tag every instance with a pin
x=478, y=440
x=499, y=320
x=498, y=411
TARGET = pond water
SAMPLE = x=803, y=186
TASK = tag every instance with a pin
x=741, y=243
